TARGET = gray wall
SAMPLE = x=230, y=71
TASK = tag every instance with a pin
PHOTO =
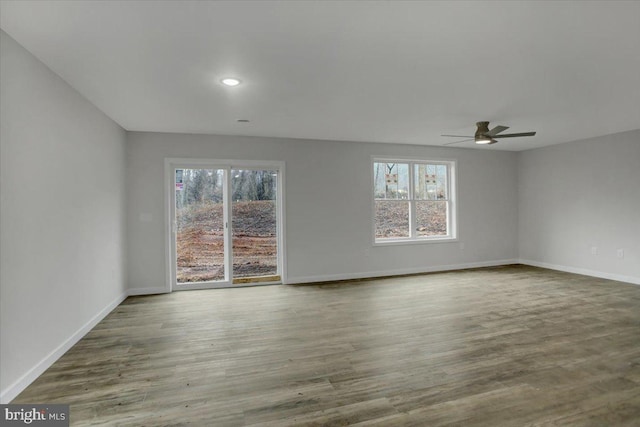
x=62, y=262
x=328, y=205
x=579, y=195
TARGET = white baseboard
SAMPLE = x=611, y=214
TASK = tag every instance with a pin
x=8, y=394
x=583, y=271
x=148, y=291
x=399, y=272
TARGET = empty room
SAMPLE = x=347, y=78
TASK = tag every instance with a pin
x=320, y=213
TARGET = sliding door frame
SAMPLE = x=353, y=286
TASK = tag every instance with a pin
x=170, y=165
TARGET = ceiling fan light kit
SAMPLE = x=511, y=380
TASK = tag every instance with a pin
x=484, y=136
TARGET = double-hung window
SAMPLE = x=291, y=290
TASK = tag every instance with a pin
x=413, y=200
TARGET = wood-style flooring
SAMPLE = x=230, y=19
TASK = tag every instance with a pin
x=504, y=346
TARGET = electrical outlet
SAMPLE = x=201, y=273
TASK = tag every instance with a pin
x=620, y=253
x=594, y=250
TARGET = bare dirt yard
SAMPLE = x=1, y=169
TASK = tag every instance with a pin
x=392, y=219
x=200, y=241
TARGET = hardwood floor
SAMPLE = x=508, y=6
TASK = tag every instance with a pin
x=504, y=346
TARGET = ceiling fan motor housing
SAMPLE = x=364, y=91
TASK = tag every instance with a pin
x=483, y=128
x=481, y=134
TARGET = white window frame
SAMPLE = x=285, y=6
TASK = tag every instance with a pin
x=452, y=212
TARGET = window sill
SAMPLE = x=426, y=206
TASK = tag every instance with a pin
x=427, y=241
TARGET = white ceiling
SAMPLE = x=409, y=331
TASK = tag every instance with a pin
x=400, y=72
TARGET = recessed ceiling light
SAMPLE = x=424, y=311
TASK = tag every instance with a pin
x=230, y=81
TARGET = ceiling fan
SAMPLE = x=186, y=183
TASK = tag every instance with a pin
x=485, y=136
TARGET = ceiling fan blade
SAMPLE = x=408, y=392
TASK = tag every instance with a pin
x=496, y=130
x=457, y=142
x=515, y=135
x=459, y=136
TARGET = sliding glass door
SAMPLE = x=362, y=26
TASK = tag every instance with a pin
x=225, y=225
x=200, y=225
x=254, y=225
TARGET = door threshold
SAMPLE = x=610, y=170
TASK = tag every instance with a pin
x=256, y=279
